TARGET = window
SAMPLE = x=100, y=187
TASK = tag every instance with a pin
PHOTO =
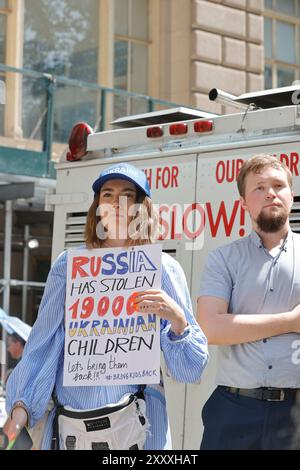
x=2, y=37
x=131, y=19
x=282, y=48
x=61, y=37
x=286, y=6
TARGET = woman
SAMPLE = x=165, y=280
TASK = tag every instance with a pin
x=110, y=223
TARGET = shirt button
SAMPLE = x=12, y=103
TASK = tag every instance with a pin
x=265, y=340
x=270, y=367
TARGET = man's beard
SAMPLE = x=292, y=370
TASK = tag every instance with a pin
x=271, y=223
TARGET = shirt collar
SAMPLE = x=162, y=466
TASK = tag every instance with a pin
x=255, y=238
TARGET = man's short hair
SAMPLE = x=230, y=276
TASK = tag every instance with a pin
x=16, y=338
x=257, y=163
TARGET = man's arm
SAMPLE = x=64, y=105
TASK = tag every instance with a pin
x=222, y=328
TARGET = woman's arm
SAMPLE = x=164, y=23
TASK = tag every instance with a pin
x=183, y=343
x=222, y=328
x=33, y=379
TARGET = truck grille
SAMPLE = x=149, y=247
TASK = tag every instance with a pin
x=295, y=215
x=74, y=231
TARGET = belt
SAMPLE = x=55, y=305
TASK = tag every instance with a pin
x=263, y=393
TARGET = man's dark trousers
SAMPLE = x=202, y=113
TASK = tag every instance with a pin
x=238, y=422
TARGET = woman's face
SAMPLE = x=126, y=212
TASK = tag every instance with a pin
x=115, y=199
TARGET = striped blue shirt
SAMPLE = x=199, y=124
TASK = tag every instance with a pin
x=41, y=367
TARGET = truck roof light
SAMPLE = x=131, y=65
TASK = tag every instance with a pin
x=78, y=141
x=203, y=126
x=155, y=131
x=178, y=128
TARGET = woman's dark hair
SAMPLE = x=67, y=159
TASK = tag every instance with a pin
x=16, y=338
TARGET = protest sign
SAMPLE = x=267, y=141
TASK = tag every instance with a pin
x=107, y=342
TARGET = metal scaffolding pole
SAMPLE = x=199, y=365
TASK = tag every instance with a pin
x=25, y=272
x=7, y=274
x=7, y=253
x=9, y=193
x=17, y=283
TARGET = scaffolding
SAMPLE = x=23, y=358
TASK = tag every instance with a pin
x=8, y=194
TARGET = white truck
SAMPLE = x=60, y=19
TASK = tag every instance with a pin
x=191, y=161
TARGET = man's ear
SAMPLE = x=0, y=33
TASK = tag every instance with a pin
x=243, y=203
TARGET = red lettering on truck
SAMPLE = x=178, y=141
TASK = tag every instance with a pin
x=214, y=223
x=291, y=161
x=228, y=170
x=162, y=177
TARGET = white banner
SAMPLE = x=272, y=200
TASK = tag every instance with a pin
x=106, y=341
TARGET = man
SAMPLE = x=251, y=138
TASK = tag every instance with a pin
x=15, y=346
x=249, y=307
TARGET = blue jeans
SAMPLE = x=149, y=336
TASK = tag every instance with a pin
x=237, y=422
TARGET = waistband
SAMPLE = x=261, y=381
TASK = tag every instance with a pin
x=263, y=393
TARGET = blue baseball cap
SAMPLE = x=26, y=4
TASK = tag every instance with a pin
x=123, y=171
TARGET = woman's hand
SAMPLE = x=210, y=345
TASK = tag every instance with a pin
x=160, y=303
x=16, y=423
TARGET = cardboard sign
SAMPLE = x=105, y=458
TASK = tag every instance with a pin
x=107, y=342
